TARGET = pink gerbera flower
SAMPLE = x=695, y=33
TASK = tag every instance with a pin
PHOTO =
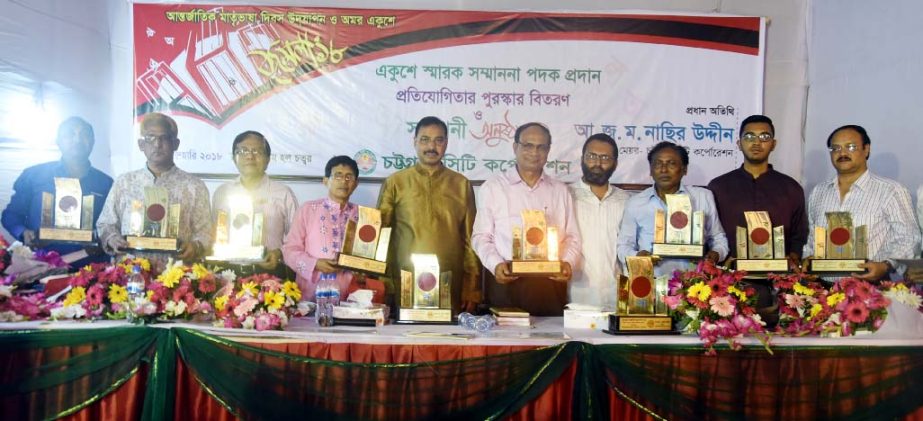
x=95, y=295
x=722, y=306
x=856, y=312
x=207, y=284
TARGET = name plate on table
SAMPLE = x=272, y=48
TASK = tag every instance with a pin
x=535, y=246
x=151, y=243
x=830, y=266
x=67, y=216
x=365, y=244
x=678, y=250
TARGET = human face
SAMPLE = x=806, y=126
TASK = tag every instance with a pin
x=598, y=163
x=158, y=145
x=667, y=170
x=250, y=157
x=430, y=144
x=756, y=142
x=75, y=142
x=341, y=183
x=844, y=160
x=532, y=149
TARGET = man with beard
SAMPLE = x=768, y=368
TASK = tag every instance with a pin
x=879, y=203
x=599, y=207
x=431, y=210
x=668, y=162
x=756, y=186
x=502, y=199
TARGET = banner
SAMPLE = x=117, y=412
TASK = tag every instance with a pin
x=320, y=82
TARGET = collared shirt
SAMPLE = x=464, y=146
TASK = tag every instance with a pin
x=637, y=230
x=500, y=201
x=317, y=233
x=195, y=222
x=920, y=208
x=24, y=212
x=598, y=220
x=275, y=200
x=879, y=203
x=737, y=192
x=432, y=213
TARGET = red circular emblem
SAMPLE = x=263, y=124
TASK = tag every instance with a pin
x=535, y=236
x=241, y=220
x=67, y=203
x=426, y=281
x=367, y=233
x=839, y=236
x=156, y=212
x=640, y=286
x=679, y=220
x=759, y=236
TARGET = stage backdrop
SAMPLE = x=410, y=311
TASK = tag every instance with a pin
x=320, y=82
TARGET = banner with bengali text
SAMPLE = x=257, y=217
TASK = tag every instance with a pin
x=320, y=82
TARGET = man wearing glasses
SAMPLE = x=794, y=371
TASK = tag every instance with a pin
x=431, y=210
x=599, y=207
x=501, y=200
x=756, y=186
x=668, y=163
x=879, y=203
x=158, y=142
x=274, y=200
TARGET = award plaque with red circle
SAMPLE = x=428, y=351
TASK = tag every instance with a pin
x=639, y=312
x=760, y=247
x=839, y=248
x=365, y=243
x=67, y=217
x=161, y=219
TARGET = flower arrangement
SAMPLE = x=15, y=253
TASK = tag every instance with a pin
x=98, y=290
x=901, y=292
x=261, y=302
x=862, y=306
x=184, y=291
x=4, y=254
x=805, y=306
x=709, y=301
x=22, y=307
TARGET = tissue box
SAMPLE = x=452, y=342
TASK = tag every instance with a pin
x=586, y=319
x=377, y=314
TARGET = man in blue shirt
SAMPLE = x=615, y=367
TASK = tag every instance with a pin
x=22, y=217
x=668, y=163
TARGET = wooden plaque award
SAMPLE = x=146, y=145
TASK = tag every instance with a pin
x=679, y=232
x=639, y=311
x=761, y=247
x=155, y=222
x=840, y=248
x=238, y=232
x=426, y=293
x=535, y=246
x=365, y=244
x=67, y=216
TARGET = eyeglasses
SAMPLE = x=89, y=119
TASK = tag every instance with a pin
x=343, y=177
x=254, y=153
x=426, y=141
x=532, y=147
x=156, y=139
x=852, y=147
x=590, y=156
x=753, y=137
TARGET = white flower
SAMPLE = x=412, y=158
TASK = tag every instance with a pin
x=173, y=308
x=6, y=291
x=904, y=296
x=248, y=322
x=10, y=316
x=74, y=311
x=228, y=275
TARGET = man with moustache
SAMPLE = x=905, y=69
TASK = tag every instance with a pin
x=158, y=142
x=22, y=217
x=668, y=163
x=502, y=199
x=879, y=203
x=599, y=207
x=276, y=201
x=431, y=210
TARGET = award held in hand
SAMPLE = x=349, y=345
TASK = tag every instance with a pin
x=640, y=310
x=426, y=293
x=67, y=216
x=238, y=232
x=154, y=223
x=679, y=232
x=535, y=246
x=761, y=247
x=840, y=248
x=365, y=245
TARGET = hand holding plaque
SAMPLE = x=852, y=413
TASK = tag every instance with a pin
x=679, y=232
x=840, y=248
x=365, y=244
x=640, y=302
x=154, y=223
x=67, y=216
x=535, y=247
x=761, y=247
x=238, y=232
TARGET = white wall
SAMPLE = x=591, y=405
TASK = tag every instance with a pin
x=867, y=68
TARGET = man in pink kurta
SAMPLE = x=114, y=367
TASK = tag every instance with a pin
x=316, y=234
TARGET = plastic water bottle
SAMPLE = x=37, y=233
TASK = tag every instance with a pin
x=135, y=289
x=323, y=296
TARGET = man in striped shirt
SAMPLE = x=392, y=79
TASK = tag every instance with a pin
x=881, y=204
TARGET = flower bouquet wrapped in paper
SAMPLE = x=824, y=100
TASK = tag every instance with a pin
x=186, y=291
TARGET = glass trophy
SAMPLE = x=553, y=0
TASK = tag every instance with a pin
x=365, y=244
x=425, y=293
x=640, y=309
x=238, y=232
x=67, y=215
x=679, y=232
x=153, y=223
x=535, y=246
x=760, y=246
x=840, y=248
